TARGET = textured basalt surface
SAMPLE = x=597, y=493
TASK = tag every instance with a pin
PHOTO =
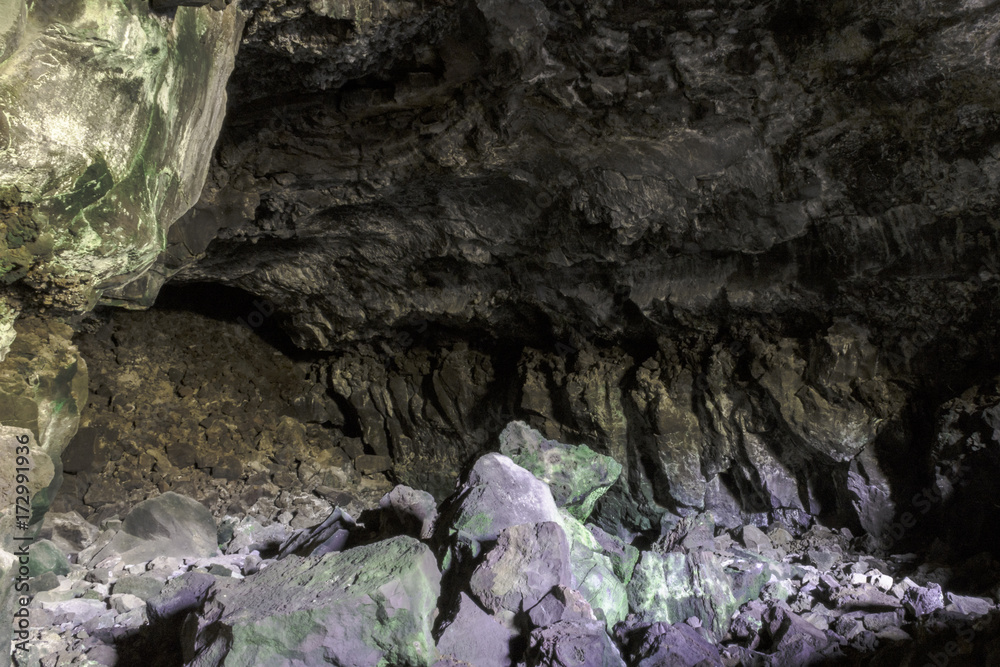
x=749, y=250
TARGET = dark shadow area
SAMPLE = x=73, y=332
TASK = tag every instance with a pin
x=230, y=304
x=155, y=645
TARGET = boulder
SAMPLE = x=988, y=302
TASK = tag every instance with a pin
x=412, y=512
x=527, y=561
x=46, y=557
x=475, y=637
x=796, y=641
x=179, y=595
x=623, y=556
x=754, y=539
x=577, y=475
x=498, y=494
x=967, y=605
x=329, y=536
x=675, y=586
x=594, y=573
x=167, y=525
x=678, y=645
x=561, y=604
x=922, y=600
x=573, y=644
x=249, y=535
x=372, y=605
x=69, y=531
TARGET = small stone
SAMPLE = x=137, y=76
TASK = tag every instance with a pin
x=125, y=603
x=848, y=626
x=968, y=606
x=879, y=622
x=920, y=600
x=753, y=538
x=899, y=589
x=819, y=621
x=822, y=560
x=881, y=581
x=103, y=654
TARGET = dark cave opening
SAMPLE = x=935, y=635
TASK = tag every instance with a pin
x=225, y=303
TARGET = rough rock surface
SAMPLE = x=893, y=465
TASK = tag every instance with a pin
x=526, y=563
x=748, y=251
x=475, y=637
x=573, y=644
x=498, y=494
x=576, y=475
x=368, y=606
x=729, y=246
x=168, y=525
x=92, y=184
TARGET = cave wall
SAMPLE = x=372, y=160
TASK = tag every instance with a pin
x=745, y=248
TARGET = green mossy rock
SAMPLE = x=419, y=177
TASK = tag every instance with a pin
x=577, y=475
x=46, y=557
x=370, y=606
x=676, y=586
x=594, y=573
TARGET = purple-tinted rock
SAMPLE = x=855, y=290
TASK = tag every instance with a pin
x=475, y=637
x=561, y=604
x=326, y=537
x=498, y=494
x=968, y=606
x=678, y=645
x=921, y=600
x=573, y=644
x=747, y=625
x=527, y=561
x=413, y=511
x=796, y=641
x=180, y=594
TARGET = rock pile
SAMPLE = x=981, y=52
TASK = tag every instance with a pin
x=504, y=572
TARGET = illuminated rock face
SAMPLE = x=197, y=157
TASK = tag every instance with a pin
x=108, y=117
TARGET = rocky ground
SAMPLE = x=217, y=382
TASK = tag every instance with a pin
x=209, y=409
x=506, y=571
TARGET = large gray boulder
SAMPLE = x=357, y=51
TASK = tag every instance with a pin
x=365, y=607
x=167, y=525
x=526, y=563
x=498, y=494
x=475, y=637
